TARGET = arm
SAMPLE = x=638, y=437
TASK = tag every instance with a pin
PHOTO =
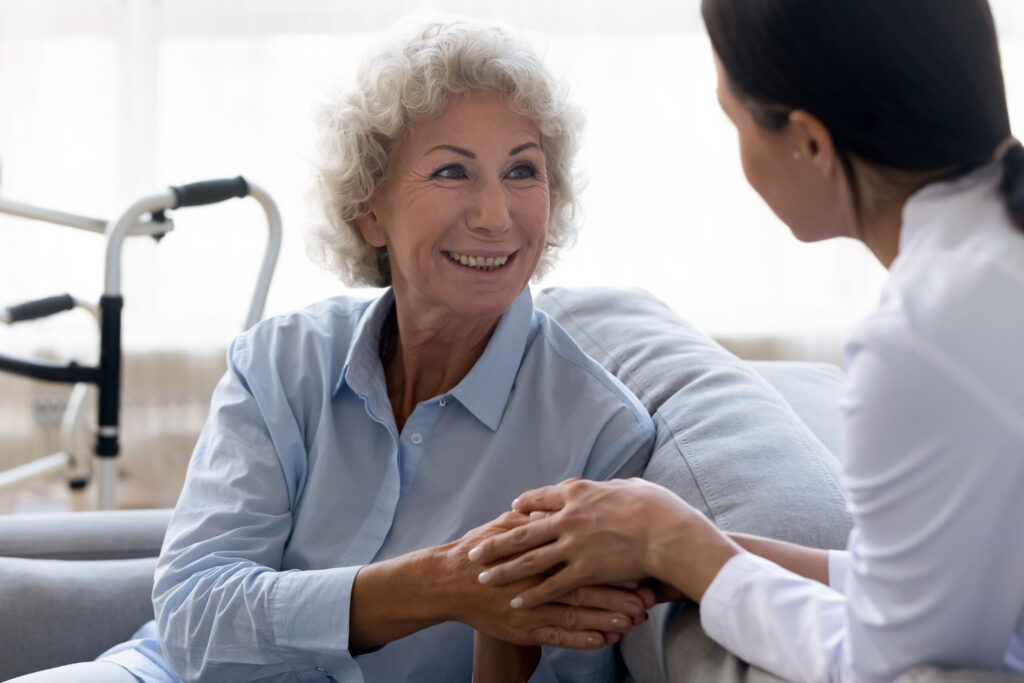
x=809, y=562
x=496, y=661
x=224, y=609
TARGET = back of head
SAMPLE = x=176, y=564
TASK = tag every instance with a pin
x=903, y=84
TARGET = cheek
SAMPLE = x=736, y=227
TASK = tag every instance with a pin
x=754, y=166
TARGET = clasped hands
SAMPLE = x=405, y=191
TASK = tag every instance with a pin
x=616, y=533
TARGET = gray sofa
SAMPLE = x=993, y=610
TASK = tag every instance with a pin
x=750, y=444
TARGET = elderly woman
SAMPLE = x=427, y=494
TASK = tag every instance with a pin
x=356, y=450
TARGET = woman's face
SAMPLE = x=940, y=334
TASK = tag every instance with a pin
x=465, y=214
x=788, y=169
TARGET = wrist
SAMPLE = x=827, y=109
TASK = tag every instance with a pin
x=688, y=552
x=444, y=567
x=390, y=600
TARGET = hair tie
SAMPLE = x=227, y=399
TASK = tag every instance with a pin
x=1004, y=148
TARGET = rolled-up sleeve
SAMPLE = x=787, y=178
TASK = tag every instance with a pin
x=224, y=610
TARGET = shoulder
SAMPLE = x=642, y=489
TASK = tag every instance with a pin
x=948, y=327
x=555, y=358
x=319, y=328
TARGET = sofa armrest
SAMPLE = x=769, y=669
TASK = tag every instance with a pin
x=108, y=535
x=74, y=584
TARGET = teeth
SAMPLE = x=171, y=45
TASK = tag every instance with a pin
x=479, y=262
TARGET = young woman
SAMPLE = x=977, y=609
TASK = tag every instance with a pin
x=884, y=121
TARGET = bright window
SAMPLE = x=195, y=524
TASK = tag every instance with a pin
x=103, y=101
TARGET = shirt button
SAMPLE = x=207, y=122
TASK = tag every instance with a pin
x=321, y=669
x=416, y=439
x=442, y=403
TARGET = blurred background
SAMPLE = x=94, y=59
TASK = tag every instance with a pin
x=104, y=101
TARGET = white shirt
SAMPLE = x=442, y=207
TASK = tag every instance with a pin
x=934, y=470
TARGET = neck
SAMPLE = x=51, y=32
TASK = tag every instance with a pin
x=881, y=234
x=886, y=192
x=428, y=355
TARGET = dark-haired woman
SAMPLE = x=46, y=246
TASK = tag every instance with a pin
x=885, y=121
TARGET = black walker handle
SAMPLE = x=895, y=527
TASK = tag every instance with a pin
x=40, y=308
x=209, y=191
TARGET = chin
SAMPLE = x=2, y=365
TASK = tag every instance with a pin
x=815, y=232
x=484, y=308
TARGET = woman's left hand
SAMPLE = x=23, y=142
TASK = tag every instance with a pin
x=588, y=533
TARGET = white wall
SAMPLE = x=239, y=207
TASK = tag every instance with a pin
x=102, y=101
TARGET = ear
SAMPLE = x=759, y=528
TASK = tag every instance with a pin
x=812, y=141
x=370, y=226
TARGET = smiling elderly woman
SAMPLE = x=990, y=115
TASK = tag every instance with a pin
x=356, y=450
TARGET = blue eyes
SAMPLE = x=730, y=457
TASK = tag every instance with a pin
x=458, y=172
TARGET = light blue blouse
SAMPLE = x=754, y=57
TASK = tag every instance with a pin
x=301, y=477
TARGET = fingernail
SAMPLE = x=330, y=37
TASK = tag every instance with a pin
x=634, y=609
x=484, y=577
x=594, y=641
x=516, y=602
x=619, y=622
x=474, y=554
x=537, y=514
x=514, y=501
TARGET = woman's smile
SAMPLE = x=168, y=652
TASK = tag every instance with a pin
x=480, y=261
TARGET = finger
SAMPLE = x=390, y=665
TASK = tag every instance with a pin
x=583, y=619
x=532, y=563
x=514, y=541
x=537, y=514
x=606, y=598
x=612, y=638
x=511, y=519
x=647, y=596
x=545, y=499
x=576, y=640
x=559, y=583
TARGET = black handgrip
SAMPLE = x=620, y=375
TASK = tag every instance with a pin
x=209, y=191
x=40, y=308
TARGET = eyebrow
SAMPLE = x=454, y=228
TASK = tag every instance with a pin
x=520, y=148
x=453, y=148
x=467, y=153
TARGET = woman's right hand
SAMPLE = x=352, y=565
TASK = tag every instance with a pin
x=585, y=618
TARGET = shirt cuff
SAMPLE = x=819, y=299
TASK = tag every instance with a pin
x=721, y=596
x=310, y=612
x=838, y=565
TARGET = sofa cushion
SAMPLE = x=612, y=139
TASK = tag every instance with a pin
x=727, y=442
x=57, y=612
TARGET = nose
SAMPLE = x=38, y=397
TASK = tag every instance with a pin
x=489, y=211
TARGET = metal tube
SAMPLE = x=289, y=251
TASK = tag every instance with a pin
x=50, y=216
x=270, y=254
x=118, y=230
x=106, y=498
x=72, y=220
x=33, y=469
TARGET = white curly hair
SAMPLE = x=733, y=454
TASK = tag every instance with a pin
x=412, y=79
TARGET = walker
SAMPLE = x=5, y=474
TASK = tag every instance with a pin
x=147, y=216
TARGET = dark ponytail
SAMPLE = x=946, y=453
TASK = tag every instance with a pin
x=1013, y=180
x=902, y=84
